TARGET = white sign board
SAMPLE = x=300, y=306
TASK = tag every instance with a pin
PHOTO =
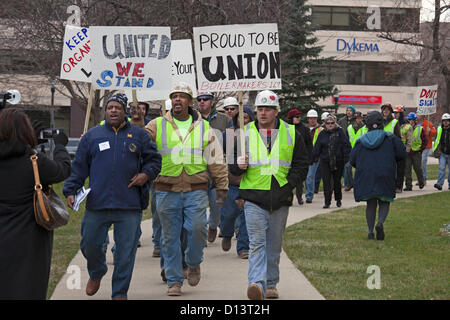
x=238, y=57
x=182, y=70
x=134, y=58
x=427, y=99
x=76, y=55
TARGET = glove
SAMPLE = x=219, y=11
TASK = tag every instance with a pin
x=61, y=138
x=38, y=126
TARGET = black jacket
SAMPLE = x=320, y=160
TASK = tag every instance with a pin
x=306, y=135
x=342, y=146
x=277, y=196
x=444, y=143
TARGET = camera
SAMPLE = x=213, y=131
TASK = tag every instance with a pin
x=48, y=133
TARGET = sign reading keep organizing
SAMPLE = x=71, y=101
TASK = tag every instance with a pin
x=238, y=57
x=76, y=56
x=136, y=58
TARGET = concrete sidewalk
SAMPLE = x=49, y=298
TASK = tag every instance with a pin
x=223, y=274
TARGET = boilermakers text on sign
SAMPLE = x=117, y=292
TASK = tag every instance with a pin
x=238, y=57
x=131, y=58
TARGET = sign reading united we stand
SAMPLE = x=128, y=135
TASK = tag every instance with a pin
x=136, y=58
x=238, y=57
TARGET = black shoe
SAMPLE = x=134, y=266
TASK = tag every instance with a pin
x=421, y=186
x=339, y=203
x=300, y=202
x=438, y=187
x=326, y=206
x=308, y=201
x=407, y=189
x=371, y=236
x=380, y=232
x=316, y=191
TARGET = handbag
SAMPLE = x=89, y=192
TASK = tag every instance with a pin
x=50, y=211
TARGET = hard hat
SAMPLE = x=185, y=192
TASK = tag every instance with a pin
x=267, y=98
x=412, y=116
x=230, y=101
x=183, y=88
x=168, y=105
x=446, y=116
x=312, y=114
x=205, y=94
x=398, y=108
x=387, y=105
x=324, y=115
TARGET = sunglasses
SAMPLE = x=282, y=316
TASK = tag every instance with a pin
x=329, y=122
x=229, y=109
x=203, y=99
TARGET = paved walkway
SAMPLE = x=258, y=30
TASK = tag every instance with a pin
x=224, y=275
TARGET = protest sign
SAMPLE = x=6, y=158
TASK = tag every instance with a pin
x=76, y=61
x=182, y=70
x=134, y=58
x=427, y=99
x=238, y=57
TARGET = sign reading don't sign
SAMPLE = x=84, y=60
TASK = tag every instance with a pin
x=136, y=58
x=238, y=57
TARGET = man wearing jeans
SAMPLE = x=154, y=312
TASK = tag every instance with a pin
x=119, y=158
x=275, y=159
x=190, y=154
x=314, y=129
x=442, y=144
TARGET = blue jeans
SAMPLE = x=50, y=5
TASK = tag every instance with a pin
x=229, y=213
x=127, y=230
x=444, y=161
x=156, y=223
x=179, y=210
x=348, y=174
x=310, y=180
x=214, y=209
x=425, y=154
x=265, y=231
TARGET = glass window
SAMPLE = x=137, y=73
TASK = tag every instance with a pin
x=321, y=16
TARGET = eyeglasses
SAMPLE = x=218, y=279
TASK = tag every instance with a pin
x=229, y=109
x=329, y=122
x=203, y=99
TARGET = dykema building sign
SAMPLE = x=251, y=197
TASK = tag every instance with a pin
x=354, y=46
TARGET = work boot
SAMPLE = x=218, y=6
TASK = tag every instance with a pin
x=438, y=187
x=193, y=276
x=212, y=233
x=272, y=293
x=421, y=186
x=156, y=253
x=339, y=203
x=226, y=244
x=174, y=290
x=254, y=292
x=380, y=232
x=92, y=287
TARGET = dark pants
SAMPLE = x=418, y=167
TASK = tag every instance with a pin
x=331, y=180
x=413, y=161
x=400, y=173
x=371, y=212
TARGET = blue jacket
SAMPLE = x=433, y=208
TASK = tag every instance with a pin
x=375, y=157
x=111, y=160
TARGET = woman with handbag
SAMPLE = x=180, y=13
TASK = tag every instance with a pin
x=25, y=246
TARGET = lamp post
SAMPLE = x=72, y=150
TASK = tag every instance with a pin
x=336, y=99
x=52, y=108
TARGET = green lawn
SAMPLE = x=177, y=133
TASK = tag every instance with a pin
x=66, y=241
x=333, y=252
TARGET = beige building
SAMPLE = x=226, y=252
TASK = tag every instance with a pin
x=368, y=70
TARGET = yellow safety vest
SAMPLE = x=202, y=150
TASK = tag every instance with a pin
x=438, y=138
x=390, y=126
x=178, y=155
x=416, y=141
x=262, y=165
x=404, y=131
x=354, y=136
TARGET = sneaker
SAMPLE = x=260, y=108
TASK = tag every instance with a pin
x=193, y=276
x=174, y=289
x=226, y=244
x=438, y=187
x=254, y=292
x=156, y=253
x=380, y=232
x=339, y=203
x=271, y=293
x=243, y=255
x=371, y=236
x=308, y=200
x=212, y=233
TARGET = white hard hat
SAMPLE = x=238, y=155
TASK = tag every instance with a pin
x=230, y=101
x=168, y=105
x=312, y=114
x=267, y=98
x=181, y=87
x=324, y=115
x=446, y=116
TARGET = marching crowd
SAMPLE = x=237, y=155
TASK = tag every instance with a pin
x=189, y=159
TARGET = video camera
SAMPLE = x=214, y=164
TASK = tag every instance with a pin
x=11, y=96
x=49, y=133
